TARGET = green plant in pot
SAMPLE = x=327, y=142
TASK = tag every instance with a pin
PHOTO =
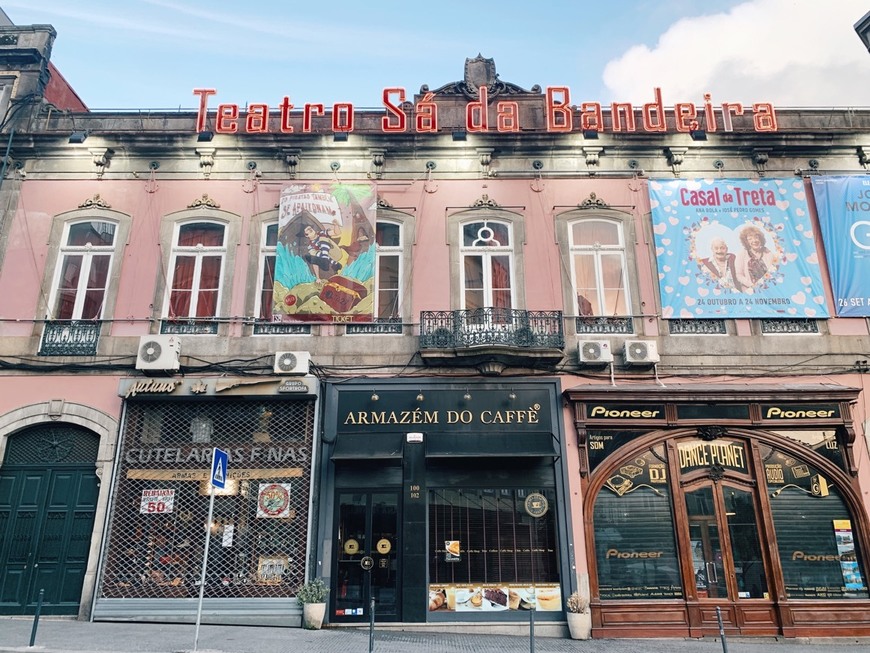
x=312, y=596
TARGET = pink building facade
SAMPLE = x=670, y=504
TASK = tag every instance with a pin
x=462, y=370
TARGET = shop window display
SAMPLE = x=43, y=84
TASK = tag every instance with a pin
x=493, y=550
x=259, y=526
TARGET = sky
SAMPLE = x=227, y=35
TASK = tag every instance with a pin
x=151, y=54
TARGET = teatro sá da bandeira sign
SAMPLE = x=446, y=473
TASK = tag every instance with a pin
x=500, y=116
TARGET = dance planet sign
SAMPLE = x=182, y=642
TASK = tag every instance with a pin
x=735, y=248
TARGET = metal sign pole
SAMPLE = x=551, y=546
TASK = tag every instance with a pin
x=219, y=469
x=204, y=565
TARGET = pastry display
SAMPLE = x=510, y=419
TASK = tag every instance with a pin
x=476, y=599
x=514, y=600
x=437, y=599
x=495, y=596
x=549, y=600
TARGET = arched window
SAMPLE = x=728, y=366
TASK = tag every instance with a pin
x=487, y=265
x=198, y=253
x=598, y=267
x=79, y=288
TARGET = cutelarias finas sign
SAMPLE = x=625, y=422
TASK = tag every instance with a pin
x=483, y=116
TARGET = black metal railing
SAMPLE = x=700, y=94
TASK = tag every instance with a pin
x=491, y=326
x=200, y=327
x=70, y=338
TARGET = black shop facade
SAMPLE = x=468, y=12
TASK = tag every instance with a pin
x=440, y=502
x=736, y=501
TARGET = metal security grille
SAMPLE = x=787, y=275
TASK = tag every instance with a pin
x=160, y=509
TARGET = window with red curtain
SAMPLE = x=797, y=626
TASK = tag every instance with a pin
x=83, y=273
x=487, y=265
x=268, y=247
x=197, y=265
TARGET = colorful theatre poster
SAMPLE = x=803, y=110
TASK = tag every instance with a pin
x=843, y=205
x=325, y=256
x=735, y=248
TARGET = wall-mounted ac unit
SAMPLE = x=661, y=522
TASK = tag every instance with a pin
x=594, y=352
x=158, y=353
x=640, y=353
x=292, y=362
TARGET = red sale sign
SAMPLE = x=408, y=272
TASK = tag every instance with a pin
x=157, y=501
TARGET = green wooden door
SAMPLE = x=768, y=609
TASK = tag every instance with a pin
x=47, y=510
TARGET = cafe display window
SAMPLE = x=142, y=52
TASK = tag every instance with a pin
x=159, y=514
x=493, y=550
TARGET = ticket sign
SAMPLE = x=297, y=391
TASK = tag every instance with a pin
x=157, y=502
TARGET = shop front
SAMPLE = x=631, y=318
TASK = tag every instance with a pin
x=443, y=501
x=741, y=503
x=259, y=533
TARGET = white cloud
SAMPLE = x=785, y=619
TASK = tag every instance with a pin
x=796, y=53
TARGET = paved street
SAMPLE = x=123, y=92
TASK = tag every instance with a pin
x=56, y=635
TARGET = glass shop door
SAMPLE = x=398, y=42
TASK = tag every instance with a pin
x=366, y=557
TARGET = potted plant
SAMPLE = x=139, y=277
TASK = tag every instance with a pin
x=312, y=596
x=579, y=616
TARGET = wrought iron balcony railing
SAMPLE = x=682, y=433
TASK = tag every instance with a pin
x=70, y=338
x=491, y=326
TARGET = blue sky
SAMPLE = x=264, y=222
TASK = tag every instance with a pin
x=152, y=53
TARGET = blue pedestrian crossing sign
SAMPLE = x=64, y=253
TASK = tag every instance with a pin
x=219, y=462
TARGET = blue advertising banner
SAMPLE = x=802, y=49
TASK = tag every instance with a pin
x=735, y=248
x=843, y=204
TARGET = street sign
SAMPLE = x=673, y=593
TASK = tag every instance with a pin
x=219, y=461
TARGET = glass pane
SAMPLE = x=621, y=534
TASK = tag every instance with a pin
x=266, y=290
x=95, y=233
x=586, y=285
x=183, y=277
x=384, y=550
x=68, y=287
x=593, y=232
x=388, y=285
x=613, y=282
x=818, y=547
x=706, y=545
x=485, y=234
x=635, y=547
x=487, y=550
x=352, y=546
x=745, y=547
x=272, y=235
x=201, y=233
x=388, y=234
x=474, y=272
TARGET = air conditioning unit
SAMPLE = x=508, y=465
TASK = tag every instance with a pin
x=640, y=353
x=292, y=362
x=594, y=352
x=158, y=353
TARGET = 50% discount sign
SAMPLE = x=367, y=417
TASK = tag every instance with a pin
x=157, y=501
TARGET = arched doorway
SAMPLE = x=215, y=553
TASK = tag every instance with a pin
x=48, y=497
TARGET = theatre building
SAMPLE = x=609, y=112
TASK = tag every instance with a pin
x=734, y=501
x=469, y=352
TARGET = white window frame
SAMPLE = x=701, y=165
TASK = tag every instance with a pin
x=487, y=252
x=87, y=252
x=596, y=250
x=199, y=251
x=393, y=251
x=266, y=251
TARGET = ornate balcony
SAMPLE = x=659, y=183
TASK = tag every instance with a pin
x=70, y=338
x=492, y=338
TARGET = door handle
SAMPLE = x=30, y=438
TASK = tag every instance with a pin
x=711, y=572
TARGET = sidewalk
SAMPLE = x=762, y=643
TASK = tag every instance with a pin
x=63, y=635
